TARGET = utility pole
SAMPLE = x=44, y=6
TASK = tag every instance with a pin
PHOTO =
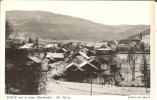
x=91, y=83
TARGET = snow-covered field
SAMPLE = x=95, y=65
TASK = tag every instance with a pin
x=72, y=88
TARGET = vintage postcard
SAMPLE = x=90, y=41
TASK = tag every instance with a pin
x=69, y=49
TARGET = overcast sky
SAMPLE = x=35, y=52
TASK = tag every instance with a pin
x=105, y=12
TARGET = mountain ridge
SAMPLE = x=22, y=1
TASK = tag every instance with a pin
x=47, y=25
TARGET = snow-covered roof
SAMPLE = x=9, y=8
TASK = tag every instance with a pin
x=55, y=55
x=69, y=65
x=27, y=46
x=51, y=45
x=35, y=59
x=84, y=55
x=105, y=49
x=49, y=55
x=81, y=58
x=76, y=65
x=83, y=63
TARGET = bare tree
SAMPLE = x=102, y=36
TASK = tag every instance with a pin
x=132, y=57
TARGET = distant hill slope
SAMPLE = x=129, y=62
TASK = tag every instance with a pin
x=48, y=25
x=146, y=32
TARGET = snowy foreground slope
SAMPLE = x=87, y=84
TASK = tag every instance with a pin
x=72, y=88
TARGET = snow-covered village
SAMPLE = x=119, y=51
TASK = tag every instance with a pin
x=58, y=53
x=50, y=67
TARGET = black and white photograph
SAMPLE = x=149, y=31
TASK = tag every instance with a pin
x=78, y=48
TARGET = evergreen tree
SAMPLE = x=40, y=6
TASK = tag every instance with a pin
x=9, y=30
x=30, y=40
x=36, y=41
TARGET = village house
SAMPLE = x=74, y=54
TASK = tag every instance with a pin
x=96, y=44
x=104, y=50
x=81, y=66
